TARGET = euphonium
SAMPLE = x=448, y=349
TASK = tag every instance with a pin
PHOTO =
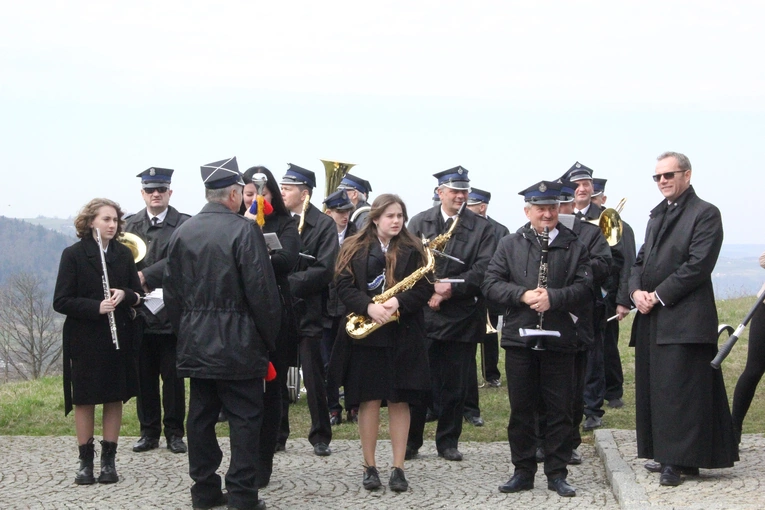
x=335, y=171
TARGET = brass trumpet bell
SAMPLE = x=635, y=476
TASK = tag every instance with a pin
x=335, y=171
x=610, y=223
x=136, y=245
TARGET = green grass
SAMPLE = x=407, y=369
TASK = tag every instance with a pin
x=37, y=407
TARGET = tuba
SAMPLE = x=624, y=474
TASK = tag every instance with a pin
x=136, y=245
x=610, y=223
x=335, y=171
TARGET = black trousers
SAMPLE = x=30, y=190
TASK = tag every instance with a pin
x=332, y=387
x=595, y=379
x=242, y=401
x=577, y=404
x=611, y=358
x=156, y=358
x=546, y=375
x=449, y=369
x=753, y=371
x=472, y=401
x=316, y=393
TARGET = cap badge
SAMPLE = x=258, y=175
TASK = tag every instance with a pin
x=152, y=172
x=542, y=188
x=579, y=165
x=459, y=170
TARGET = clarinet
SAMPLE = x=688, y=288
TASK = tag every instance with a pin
x=544, y=241
x=107, y=294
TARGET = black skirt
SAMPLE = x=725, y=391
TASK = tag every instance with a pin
x=371, y=373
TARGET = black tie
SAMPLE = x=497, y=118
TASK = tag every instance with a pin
x=448, y=224
x=579, y=215
x=154, y=221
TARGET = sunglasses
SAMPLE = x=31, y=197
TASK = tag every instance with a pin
x=150, y=191
x=668, y=176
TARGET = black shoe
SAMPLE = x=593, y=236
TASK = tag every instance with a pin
x=576, y=457
x=451, y=454
x=539, y=454
x=352, y=416
x=84, y=474
x=592, y=423
x=108, y=469
x=221, y=500
x=335, y=418
x=475, y=421
x=280, y=447
x=371, y=478
x=561, y=486
x=670, y=476
x=493, y=383
x=653, y=466
x=176, y=445
x=145, y=444
x=411, y=453
x=322, y=450
x=519, y=482
x=398, y=481
x=616, y=403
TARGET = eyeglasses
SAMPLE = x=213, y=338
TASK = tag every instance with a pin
x=668, y=176
x=150, y=191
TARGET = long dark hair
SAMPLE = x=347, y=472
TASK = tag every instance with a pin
x=364, y=239
x=277, y=202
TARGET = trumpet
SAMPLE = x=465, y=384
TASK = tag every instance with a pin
x=610, y=223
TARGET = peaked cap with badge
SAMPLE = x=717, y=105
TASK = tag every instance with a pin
x=220, y=174
x=577, y=172
x=478, y=196
x=357, y=183
x=339, y=201
x=542, y=193
x=298, y=175
x=598, y=186
x=155, y=177
x=454, y=178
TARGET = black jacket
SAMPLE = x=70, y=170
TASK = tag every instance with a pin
x=680, y=251
x=514, y=269
x=334, y=307
x=461, y=318
x=500, y=231
x=157, y=239
x=406, y=337
x=221, y=296
x=310, y=279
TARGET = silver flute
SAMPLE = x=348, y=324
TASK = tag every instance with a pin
x=107, y=294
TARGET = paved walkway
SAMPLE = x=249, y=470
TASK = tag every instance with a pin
x=38, y=472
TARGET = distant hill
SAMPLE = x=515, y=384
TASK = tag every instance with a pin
x=30, y=248
x=738, y=272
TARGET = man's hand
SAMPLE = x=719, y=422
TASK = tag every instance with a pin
x=435, y=302
x=537, y=299
x=643, y=300
x=443, y=289
x=622, y=311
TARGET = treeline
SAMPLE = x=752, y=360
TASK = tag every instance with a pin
x=29, y=248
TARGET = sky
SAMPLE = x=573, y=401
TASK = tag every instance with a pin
x=93, y=93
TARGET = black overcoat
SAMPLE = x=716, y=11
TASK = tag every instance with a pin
x=95, y=371
x=682, y=412
x=461, y=318
x=406, y=337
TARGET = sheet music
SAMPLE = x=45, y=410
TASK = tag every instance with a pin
x=272, y=241
x=154, y=301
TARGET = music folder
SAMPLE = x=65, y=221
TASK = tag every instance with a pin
x=272, y=241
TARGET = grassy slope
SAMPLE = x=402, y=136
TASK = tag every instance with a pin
x=37, y=407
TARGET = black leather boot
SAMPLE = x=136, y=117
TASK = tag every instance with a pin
x=108, y=470
x=84, y=474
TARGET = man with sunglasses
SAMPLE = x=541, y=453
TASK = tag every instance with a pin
x=156, y=356
x=683, y=420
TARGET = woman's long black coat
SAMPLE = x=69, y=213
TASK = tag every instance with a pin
x=407, y=336
x=95, y=372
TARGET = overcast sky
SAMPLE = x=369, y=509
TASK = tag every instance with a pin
x=92, y=93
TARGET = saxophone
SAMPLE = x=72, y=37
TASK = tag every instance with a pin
x=360, y=326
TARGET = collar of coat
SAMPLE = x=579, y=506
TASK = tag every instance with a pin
x=142, y=217
x=467, y=220
x=677, y=205
x=564, y=238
